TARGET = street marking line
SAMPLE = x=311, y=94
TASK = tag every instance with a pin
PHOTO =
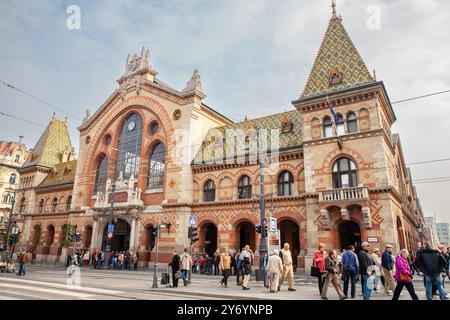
x=60, y=292
x=23, y=295
x=63, y=286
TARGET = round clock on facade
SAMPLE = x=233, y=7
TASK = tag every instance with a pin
x=131, y=126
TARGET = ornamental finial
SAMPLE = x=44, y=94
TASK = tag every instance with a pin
x=333, y=7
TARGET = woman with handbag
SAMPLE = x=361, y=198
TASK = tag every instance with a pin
x=319, y=266
x=403, y=276
x=175, y=265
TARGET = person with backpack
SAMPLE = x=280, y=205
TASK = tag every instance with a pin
x=432, y=263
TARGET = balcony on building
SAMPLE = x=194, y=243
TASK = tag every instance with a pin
x=344, y=194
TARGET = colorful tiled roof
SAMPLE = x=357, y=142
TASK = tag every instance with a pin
x=337, y=55
x=214, y=145
x=62, y=173
x=54, y=141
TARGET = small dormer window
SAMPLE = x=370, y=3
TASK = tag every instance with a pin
x=17, y=158
x=335, y=79
x=286, y=126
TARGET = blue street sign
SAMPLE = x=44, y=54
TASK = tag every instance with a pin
x=192, y=220
x=265, y=221
x=110, y=228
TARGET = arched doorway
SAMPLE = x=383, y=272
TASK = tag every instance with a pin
x=209, y=237
x=149, y=238
x=401, y=238
x=290, y=233
x=87, y=236
x=245, y=235
x=121, y=238
x=50, y=237
x=350, y=234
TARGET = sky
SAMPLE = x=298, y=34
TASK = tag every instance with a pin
x=253, y=56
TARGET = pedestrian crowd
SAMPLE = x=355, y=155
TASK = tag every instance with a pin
x=119, y=260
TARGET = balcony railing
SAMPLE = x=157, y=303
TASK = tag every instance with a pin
x=357, y=193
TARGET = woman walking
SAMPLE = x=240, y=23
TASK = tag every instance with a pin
x=319, y=261
x=403, y=276
x=175, y=265
x=332, y=270
x=225, y=265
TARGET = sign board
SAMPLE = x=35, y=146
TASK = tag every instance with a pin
x=274, y=240
x=192, y=220
x=15, y=230
x=273, y=224
x=372, y=239
x=110, y=228
x=265, y=221
x=110, y=235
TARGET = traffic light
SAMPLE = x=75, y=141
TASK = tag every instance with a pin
x=155, y=231
x=193, y=234
x=258, y=229
x=266, y=229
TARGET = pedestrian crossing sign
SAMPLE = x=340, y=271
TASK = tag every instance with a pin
x=192, y=220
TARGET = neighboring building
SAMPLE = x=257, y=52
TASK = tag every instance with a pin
x=443, y=233
x=430, y=230
x=167, y=153
x=12, y=156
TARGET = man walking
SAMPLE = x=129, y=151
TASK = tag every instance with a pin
x=287, y=268
x=432, y=263
x=378, y=273
x=350, y=265
x=274, y=270
x=365, y=261
x=246, y=258
x=22, y=258
x=186, y=264
x=387, y=264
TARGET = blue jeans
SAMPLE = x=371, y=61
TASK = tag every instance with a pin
x=366, y=291
x=184, y=275
x=437, y=281
x=350, y=276
x=21, y=269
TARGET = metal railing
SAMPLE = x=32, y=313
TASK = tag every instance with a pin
x=355, y=193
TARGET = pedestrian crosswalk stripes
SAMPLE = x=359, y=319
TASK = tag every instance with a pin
x=44, y=290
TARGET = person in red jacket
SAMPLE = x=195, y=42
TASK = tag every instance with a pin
x=319, y=261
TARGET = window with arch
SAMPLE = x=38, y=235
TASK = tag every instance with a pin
x=7, y=198
x=55, y=204
x=101, y=174
x=340, y=127
x=68, y=203
x=156, y=167
x=129, y=154
x=22, y=206
x=327, y=127
x=352, y=123
x=344, y=173
x=12, y=178
x=209, y=191
x=17, y=159
x=285, y=184
x=244, y=187
x=41, y=206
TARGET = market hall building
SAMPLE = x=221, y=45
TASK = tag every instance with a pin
x=164, y=150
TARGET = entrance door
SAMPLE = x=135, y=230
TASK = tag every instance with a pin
x=210, y=233
x=350, y=234
x=246, y=231
x=290, y=233
x=121, y=238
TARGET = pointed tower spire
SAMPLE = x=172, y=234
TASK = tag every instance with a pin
x=338, y=64
x=333, y=8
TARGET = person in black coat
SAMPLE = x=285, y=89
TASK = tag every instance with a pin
x=365, y=261
x=432, y=263
x=175, y=265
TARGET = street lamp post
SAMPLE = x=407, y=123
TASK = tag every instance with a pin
x=11, y=213
x=263, y=220
x=155, y=268
x=110, y=221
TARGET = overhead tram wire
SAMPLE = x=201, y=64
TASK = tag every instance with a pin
x=38, y=99
x=21, y=119
x=420, y=97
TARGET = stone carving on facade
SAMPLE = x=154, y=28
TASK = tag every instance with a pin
x=345, y=214
x=325, y=218
x=136, y=63
x=366, y=217
x=194, y=83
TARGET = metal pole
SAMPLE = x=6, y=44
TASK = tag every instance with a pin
x=262, y=207
x=189, y=272
x=10, y=254
x=110, y=220
x=155, y=269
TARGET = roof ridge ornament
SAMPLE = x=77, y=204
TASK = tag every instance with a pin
x=194, y=83
x=333, y=8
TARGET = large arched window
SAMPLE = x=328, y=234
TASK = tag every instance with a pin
x=127, y=163
x=244, y=187
x=327, y=127
x=41, y=206
x=156, y=167
x=340, y=127
x=209, y=191
x=12, y=178
x=68, y=203
x=22, y=206
x=285, y=183
x=352, y=123
x=55, y=204
x=101, y=174
x=344, y=173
